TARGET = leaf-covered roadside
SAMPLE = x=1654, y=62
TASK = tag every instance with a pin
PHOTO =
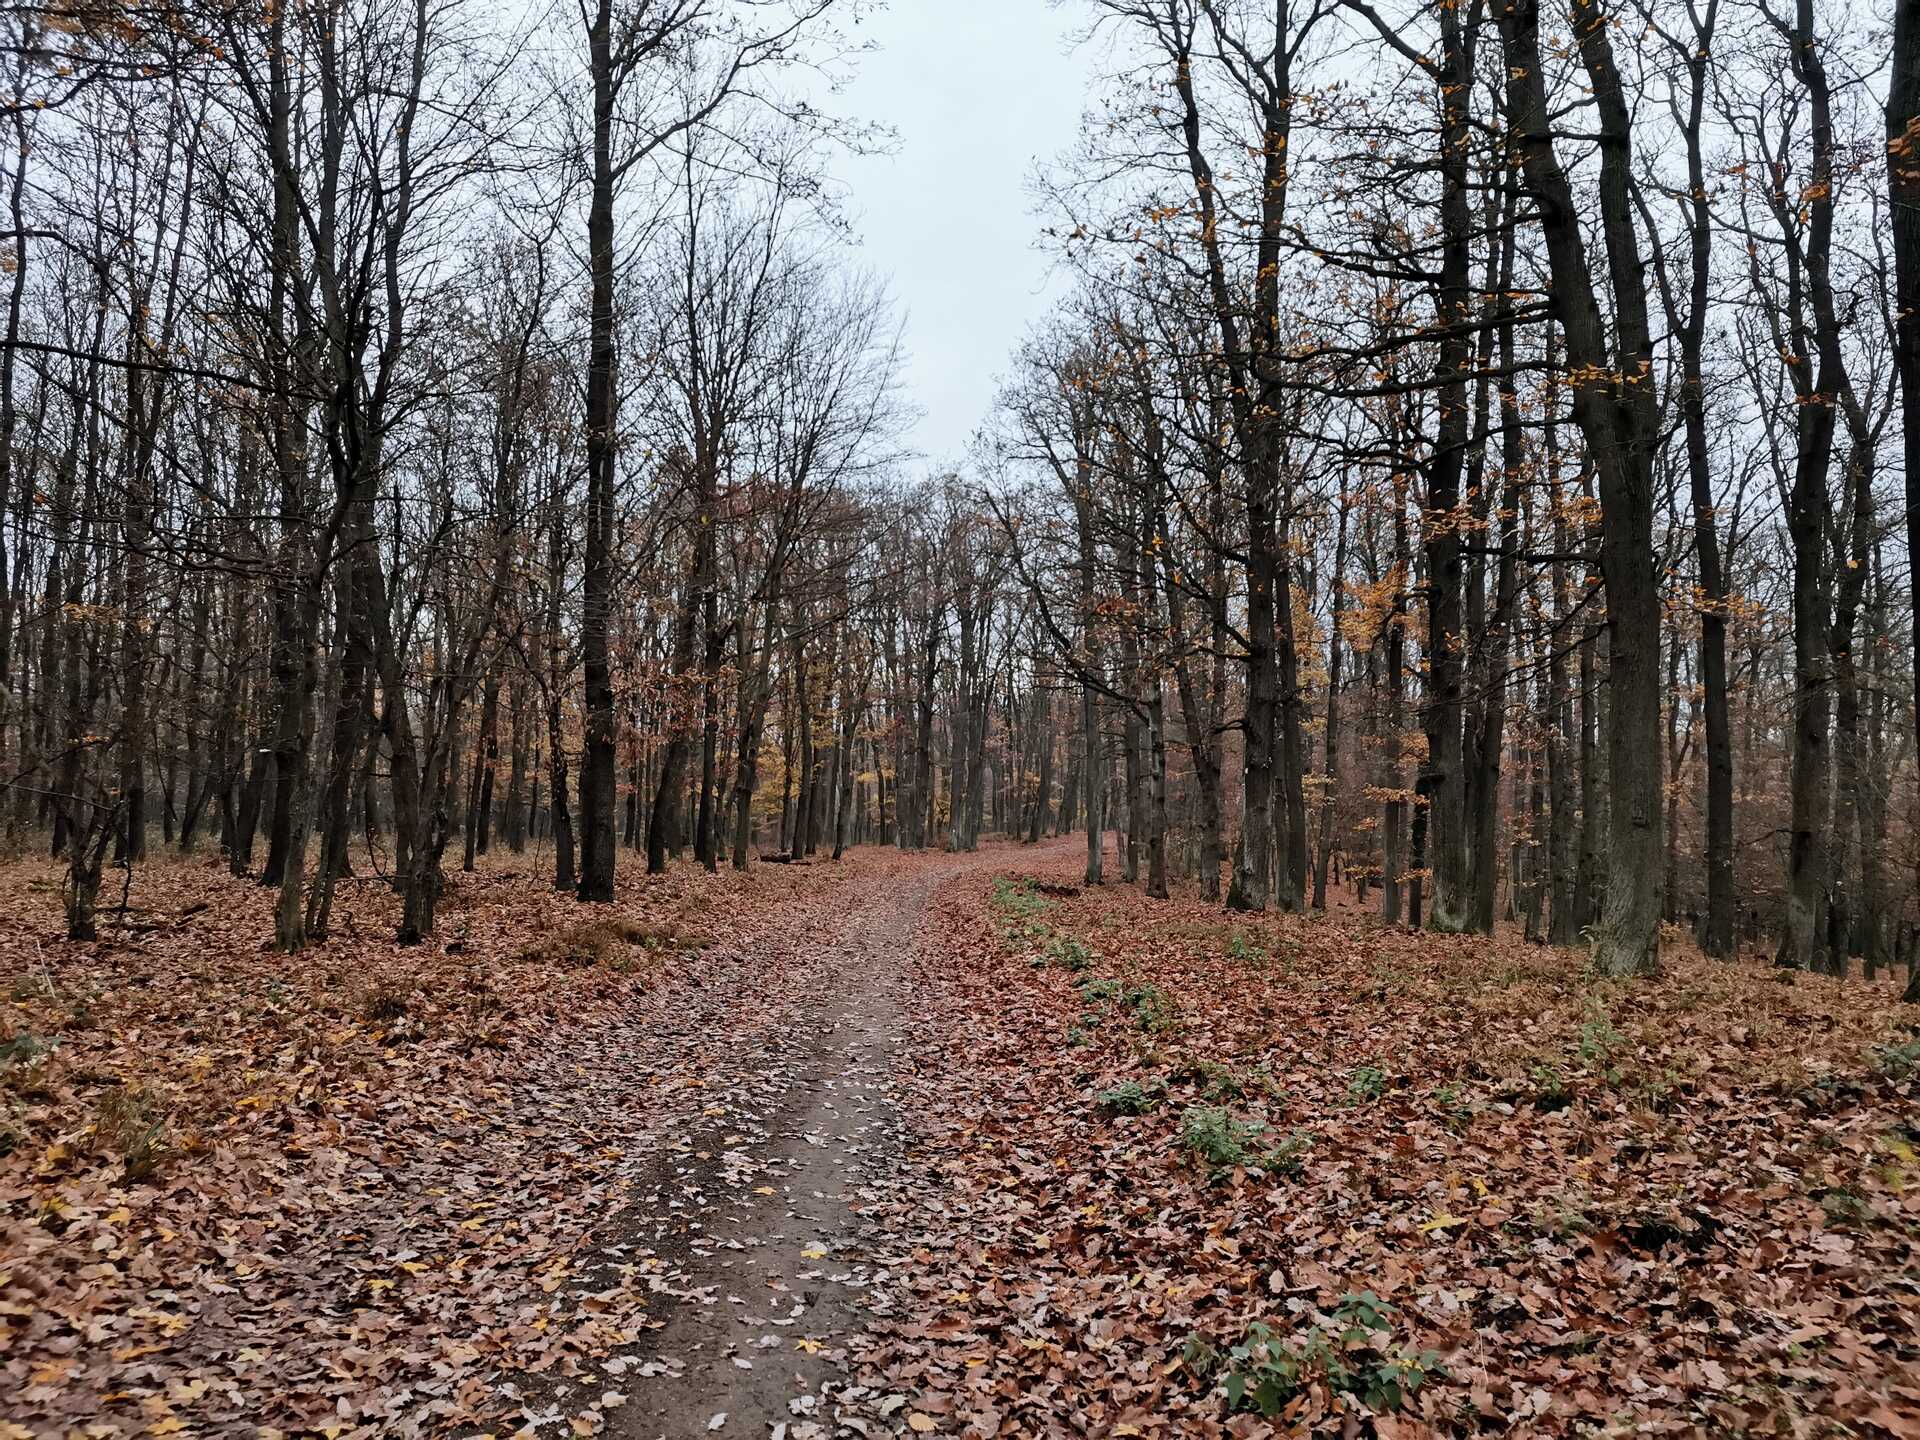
x=1359, y=1181
x=344, y=1194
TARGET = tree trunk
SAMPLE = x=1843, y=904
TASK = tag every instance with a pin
x=597, y=838
x=1332, y=767
x=1903, y=187
x=1616, y=408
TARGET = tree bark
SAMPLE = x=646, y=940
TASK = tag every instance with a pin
x=1616, y=408
x=597, y=785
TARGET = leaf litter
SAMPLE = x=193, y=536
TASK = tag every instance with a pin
x=374, y=1192
x=1047, y=1161
x=1179, y=1171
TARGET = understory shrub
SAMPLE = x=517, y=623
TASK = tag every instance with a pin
x=1898, y=1061
x=1019, y=906
x=1150, y=1008
x=1365, y=1083
x=1214, y=1134
x=1068, y=953
x=1130, y=1097
x=1353, y=1352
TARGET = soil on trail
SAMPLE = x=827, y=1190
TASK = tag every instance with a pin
x=931, y=1144
x=563, y=1170
x=749, y=1226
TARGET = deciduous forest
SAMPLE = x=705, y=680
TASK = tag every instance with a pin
x=1349, y=865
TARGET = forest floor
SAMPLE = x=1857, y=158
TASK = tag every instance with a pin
x=931, y=1145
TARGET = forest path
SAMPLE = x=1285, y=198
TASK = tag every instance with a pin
x=747, y=1225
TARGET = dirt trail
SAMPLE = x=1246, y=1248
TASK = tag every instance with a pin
x=746, y=1223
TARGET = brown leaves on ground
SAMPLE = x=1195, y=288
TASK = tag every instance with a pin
x=342, y=1191
x=1688, y=1205
x=1165, y=1159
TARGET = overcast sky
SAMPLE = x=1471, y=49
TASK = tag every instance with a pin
x=977, y=90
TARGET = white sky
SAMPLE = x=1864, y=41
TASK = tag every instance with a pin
x=977, y=91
